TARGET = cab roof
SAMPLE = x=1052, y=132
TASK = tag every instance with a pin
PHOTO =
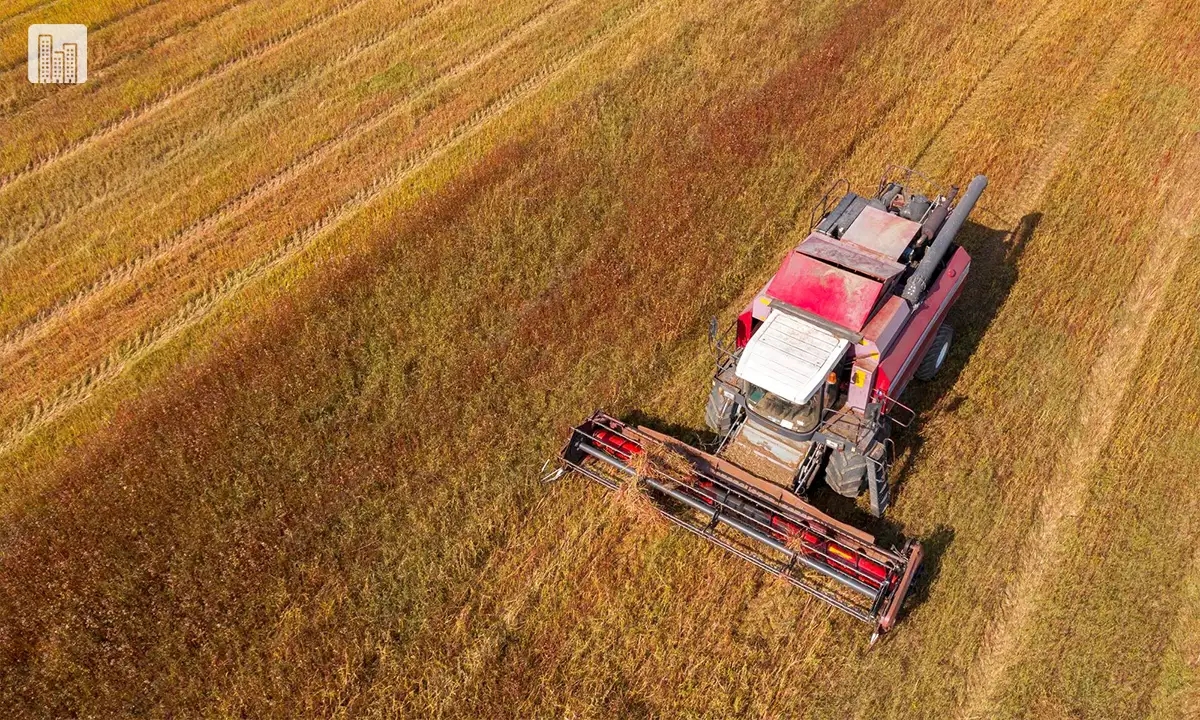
x=790, y=356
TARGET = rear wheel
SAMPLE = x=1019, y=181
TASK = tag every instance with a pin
x=936, y=356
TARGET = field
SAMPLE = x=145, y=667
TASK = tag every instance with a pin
x=296, y=298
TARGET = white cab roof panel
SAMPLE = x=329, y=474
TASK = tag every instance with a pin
x=790, y=357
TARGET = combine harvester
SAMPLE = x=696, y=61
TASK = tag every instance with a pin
x=808, y=391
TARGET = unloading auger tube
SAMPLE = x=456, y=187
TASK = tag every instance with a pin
x=748, y=517
x=918, y=282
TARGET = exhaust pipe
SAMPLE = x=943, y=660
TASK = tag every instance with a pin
x=930, y=227
x=917, y=283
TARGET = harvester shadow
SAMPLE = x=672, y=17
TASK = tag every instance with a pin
x=995, y=254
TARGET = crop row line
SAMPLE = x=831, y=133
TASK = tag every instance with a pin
x=202, y=304
x=40, y=5
x=1108, y=383
x=1032, y=29
x=60, y=216
x=111, y=20
x=100, y=71
x=235, y=206
x=182, y=91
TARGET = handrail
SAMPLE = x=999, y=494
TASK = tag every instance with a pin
x=889, y=402
x=822, y=206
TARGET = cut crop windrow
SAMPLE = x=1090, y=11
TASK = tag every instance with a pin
x=200, y=305
x=100, y=71
x=172, y=96
x=93, y=28
x=345, y=58
x=130, y=268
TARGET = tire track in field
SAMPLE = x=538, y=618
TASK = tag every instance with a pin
x=1107, y=384
x=36, y=7
x=1036, y=25
x=43, y=4
x=1182, y=700
x=202, y=304
x=259, y=50
x=99, y=72
x=1118, y=54
x=266, y=105
x=235, y=206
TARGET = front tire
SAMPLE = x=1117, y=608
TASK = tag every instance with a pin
x=936, y=356
x=846, y=472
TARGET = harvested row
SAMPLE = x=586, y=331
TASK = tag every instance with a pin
x=259, y=88
x=15, y=9
x=1132, y=539
x=307, y=137
x=93, y=14
x=164, y=76
x=113, y=45
x=417, y=151
x=93, y=189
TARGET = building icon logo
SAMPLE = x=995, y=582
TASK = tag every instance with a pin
x=57, y=54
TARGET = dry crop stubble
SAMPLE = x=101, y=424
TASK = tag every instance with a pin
x=348, y=492
x=61, y=132
x=111, y=157
x=117, y=43
x=200, y=132
x=309, y=156
x=198, y=305
x=96, y=14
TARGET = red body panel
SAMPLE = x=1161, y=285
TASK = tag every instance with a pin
x=881, y=232
x=835, y=294
x=897, y=367
x=846, y=255
x=745, y=327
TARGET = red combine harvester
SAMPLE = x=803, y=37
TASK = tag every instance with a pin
x=808, y=391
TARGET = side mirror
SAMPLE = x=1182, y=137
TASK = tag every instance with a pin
x=712, y=329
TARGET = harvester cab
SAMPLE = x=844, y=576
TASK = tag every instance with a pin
x=806, y=390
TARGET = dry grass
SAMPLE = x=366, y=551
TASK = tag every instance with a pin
x=272, y=411
x=358, y=169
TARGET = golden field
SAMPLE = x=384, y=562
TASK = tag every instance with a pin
x=295, y=298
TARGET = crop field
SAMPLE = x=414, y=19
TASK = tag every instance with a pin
x=297, y=297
